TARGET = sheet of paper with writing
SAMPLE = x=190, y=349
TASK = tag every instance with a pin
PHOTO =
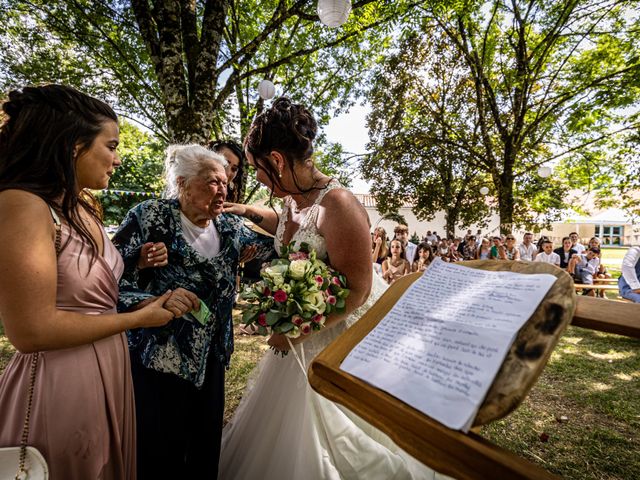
x=443, y=342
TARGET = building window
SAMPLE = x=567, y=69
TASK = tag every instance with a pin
x=610, y=235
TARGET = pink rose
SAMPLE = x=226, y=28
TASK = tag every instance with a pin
x=305, y=328
x=262, y=319
x=297, y=320
x=336, y=281
x=319, y=279
x=318, y=318
x=280, y=296
x=331, y=300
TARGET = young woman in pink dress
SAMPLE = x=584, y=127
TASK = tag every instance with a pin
x=55, y=144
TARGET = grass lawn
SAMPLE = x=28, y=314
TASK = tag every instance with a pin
x=614, y=255
x=592, y=379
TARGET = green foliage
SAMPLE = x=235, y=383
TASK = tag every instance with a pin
x=415, y=158
x=189, y=70
x=141, y=171
x=543, y=79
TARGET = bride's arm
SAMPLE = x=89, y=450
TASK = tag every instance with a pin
x=266, y=218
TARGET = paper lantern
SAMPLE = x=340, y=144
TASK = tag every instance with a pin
x=544, y=172
x=334, y=13
x=266, y=89
x=484, y=190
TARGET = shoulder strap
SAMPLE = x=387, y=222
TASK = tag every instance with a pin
x=58, y=224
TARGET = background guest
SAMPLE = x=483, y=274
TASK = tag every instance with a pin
x=629, y=283
x=547, y=254
x=402, y=233
x=527, y=249
x=565, y=252
x=424, y=258
x=395, y=265
x=484, y=251
x=575, y=244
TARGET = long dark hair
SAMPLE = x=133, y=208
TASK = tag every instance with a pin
x=40, y=130
x=217, y=145
x=287, y=128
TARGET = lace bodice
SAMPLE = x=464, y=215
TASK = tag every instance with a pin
x=308, y=231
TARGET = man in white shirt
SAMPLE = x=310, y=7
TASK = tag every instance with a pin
x=402, y=234
x=548, y=255
x=527, y=249
x=629, y=282
x=577, y=246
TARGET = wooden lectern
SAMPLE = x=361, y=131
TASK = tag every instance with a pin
x=451, y=452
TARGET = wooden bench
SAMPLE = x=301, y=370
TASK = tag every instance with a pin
x=595, y=286
x=464, y=456
x=606, y=280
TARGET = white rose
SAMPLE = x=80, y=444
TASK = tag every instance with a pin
x=314, y=302
x=293, y=333
x=272, y=270
x=298, y=268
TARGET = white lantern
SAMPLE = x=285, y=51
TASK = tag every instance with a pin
x=266, y=89
x=484, y=190
x=334, y=13
x=544, y=172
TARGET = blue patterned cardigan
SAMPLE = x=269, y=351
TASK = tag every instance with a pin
x=182, y=346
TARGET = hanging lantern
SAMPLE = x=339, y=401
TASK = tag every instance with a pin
x=484, y=190
x=266, y=89
x=334, y=13
x=544, y=172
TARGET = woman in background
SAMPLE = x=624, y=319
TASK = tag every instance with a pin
x=425, y=255
x=380, y=245
x=395, y=265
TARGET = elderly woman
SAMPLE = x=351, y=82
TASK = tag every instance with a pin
x=178, y=370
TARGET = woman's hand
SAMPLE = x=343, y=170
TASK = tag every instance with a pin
x=153, y=255
x=279, y=342
x=182, y=301
x=153, y=314
x=235, y=208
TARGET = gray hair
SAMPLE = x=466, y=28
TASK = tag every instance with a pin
x=187, y=161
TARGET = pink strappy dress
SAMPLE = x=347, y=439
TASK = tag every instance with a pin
x=83, y=416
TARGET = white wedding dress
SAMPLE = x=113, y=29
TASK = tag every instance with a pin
x=283, y=430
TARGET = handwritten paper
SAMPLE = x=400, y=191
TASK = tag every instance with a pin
x=441, y=345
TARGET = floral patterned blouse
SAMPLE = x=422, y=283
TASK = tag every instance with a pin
x=182, y=346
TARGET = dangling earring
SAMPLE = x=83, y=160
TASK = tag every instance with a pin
x=280, y=174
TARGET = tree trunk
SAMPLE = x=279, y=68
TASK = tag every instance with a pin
x=505, y=202
x=450, y=218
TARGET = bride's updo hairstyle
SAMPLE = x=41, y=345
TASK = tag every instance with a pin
x=287, y=128
x=40, y=129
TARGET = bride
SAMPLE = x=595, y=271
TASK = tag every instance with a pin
x=282, y=429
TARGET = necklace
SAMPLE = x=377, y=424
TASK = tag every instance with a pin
x=298, y=206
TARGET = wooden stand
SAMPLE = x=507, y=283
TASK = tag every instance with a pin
x=451, y=452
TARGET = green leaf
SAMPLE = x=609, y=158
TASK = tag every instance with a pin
x=273, y=317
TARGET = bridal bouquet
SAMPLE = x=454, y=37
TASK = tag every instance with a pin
x=295, y=295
